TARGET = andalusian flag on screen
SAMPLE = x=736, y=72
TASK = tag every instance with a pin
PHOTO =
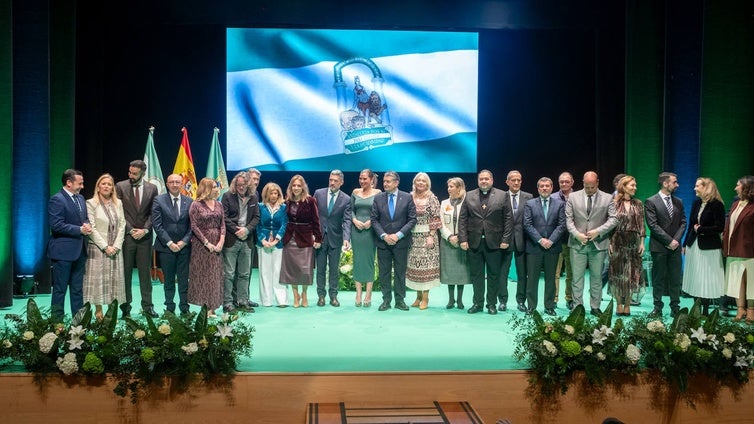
x=154, y=171
x=184, y=166
x=308, y=100
x=216, y=165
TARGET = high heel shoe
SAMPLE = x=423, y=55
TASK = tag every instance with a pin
x=358, y=301
x=99, y=316
x=750, y=316
x=741, y=314
x=304, y=301
x=417, y=301
x=296, y=299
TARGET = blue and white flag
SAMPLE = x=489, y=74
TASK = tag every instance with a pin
x=314, y=100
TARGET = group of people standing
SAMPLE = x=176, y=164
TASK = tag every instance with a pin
x=206, y=245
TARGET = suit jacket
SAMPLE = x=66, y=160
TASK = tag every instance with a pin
x=167, y=226
x=271, y=223
x=141, y=217
x=537, y=226
x=740, y=242
x=403, y=219
x=663, y=229
x=303, y=223
x=559, y=194
x=335, y=226
x=495, y=222
x=711, y=225
x=231, y=207
x=602, y=218
x=518, y=241
x=66, y=241
x=100, y=223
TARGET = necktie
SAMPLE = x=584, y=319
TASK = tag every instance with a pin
x=515, y=202
x=391, y=205
x=544, y=206
x=589, y=205
x=175, y=208
x=330, y=203
x=76, y=201
x=669, y=206
x=137, y=199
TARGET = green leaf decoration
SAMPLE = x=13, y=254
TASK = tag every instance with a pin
x=83, y=316
x=32, y=313
x=606, y=318
x=712, y=320
x=111, y=319
x=200, y=326
x=680, y=322
x=577, y=317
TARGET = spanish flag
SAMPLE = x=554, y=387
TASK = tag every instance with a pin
x=184, y=166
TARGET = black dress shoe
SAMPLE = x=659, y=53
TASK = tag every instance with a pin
x=522, y=308
x=460, y=305
x=491, y=310
x=253, y=304
x=334, y=302
x=246, y=308
x=569, y=305
x=656, y=313
x=150, y=312
x=550, y=311
x=125, y=314
x=451, y=304
x=502, y=307
x=321, y=301
x=596, y=312
x=401, y=305
x=474, y=309
x=674, y=312
x=384, y=307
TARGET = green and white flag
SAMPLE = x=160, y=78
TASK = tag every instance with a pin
x=216, y=165
x=154, y=171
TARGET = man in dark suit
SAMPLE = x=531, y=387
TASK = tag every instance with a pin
x=137, y=196
x=544, y=224
x=485, y=225
x=565, y=182
x=335, y=220
x=241, y=209
x=666, y=220
x=170, y=221
x=517, y=248
x=393, y=216
x=69, y=227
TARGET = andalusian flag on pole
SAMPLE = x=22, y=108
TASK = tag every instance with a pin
x=216, y=165
x=154, y=171
x=184, y=166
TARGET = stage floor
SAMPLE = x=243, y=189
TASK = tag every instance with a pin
x=357, y=339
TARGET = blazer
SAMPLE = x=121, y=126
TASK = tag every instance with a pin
x=404, y=218
x=559, y=194
x=303, y=223
x=66, y=241
x=232, y=211
x=100, y=223
x=449, y=222
x=167, y=226
x=271, y=223
x=740, y=242
x=662, y=229
x=602, y=218
x=141, y=217
x=711, y=225
x=335, y=226
x=518, y=241
x=494, y=224
x=538, y=226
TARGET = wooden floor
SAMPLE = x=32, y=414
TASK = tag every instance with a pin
x=371, y=413
x=284, y=398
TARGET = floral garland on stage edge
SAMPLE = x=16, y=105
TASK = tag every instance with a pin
x=692, y=345
x=138, y=354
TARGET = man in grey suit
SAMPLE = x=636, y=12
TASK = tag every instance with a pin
x=170, y=221
x=544, y=224
x=335, y=221
x=393, y=216
x=485, y=224
x=137, y=196
x=517, y=248
x=666, y=220
x=590, y=217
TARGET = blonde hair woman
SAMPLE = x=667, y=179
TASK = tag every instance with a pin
x=270, y=231
x=454, y=264
x=423, y=270
x=104, y=277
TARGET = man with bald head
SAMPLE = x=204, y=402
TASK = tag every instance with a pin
x=170, y=221
x=590, y=218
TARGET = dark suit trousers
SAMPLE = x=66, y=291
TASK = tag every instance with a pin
x=65, y=275
x=480, y=259
x=327, y=255
x=534, y=264
x=138, y=252
x=391, y=258
x=520, y=257
x=176, y=266
x=666, y=277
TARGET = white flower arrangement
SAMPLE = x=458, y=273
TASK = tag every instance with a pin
x=164, y=329
x=633, y=354
x=190, y=348
x=67, y=364
x=46, y=342
x=139, y=334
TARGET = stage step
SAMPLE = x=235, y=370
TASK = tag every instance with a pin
x=367, y=413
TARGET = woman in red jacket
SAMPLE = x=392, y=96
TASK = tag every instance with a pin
x=738, y=248
x=302, y=236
